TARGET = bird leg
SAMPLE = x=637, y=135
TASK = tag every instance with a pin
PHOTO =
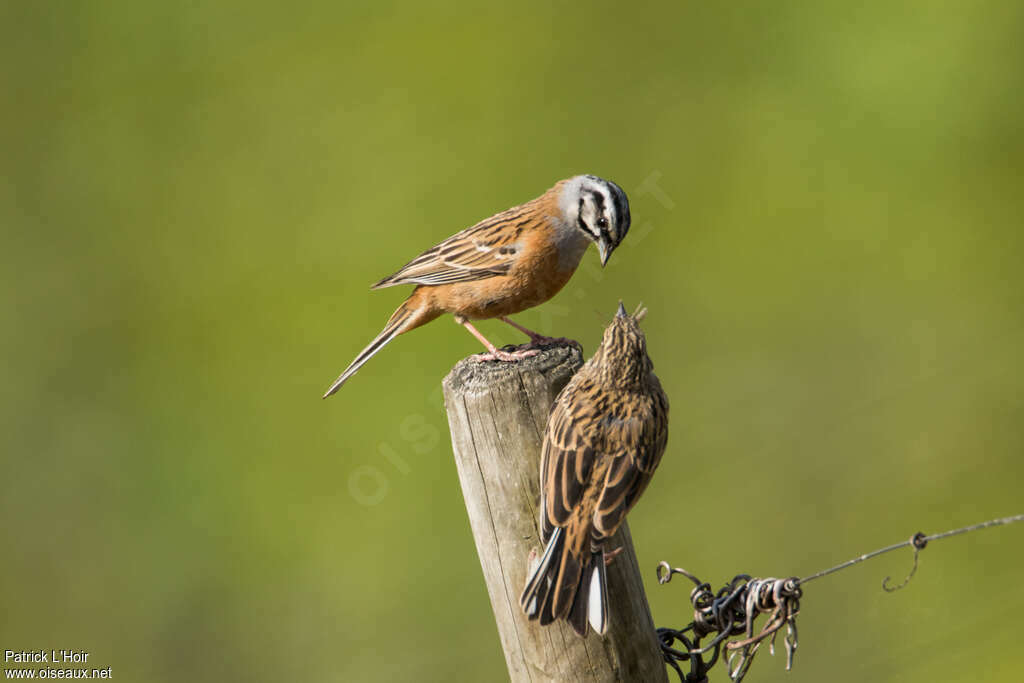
x=611, y=555
x=540, y=339
x=493, y=352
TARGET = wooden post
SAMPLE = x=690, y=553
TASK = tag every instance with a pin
x=497, y=413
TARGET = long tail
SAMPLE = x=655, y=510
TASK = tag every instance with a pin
x=413, y=312
x=561, y=586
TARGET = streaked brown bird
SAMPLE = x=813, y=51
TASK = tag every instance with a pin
x=605, y=436
x=505, y=264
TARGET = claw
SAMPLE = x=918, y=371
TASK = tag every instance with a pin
x=611, y=555
x=541, y=340
x=506, y=356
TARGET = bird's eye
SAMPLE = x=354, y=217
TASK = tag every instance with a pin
x=602, y=222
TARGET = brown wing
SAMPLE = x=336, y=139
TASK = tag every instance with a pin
x=569, y=452
x=485, y=250
x=635, y=441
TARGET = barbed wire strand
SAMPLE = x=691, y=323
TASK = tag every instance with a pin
x=918, y=541
x=734, y=608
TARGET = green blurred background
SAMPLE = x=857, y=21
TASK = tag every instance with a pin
x=195, y=198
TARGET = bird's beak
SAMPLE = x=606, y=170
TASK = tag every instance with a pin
x=621, y=313
x=604, y=250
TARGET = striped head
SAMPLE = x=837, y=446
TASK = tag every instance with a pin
x=598, y=208
x=622, y=357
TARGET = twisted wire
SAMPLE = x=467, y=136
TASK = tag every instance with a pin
x=732, y=610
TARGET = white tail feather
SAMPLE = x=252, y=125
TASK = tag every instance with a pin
x=531, y=569
x=537, y=573
x=597, y=606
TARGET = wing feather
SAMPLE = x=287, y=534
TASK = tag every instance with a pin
x=568, y=455
x=487, y=249
x=631, y=469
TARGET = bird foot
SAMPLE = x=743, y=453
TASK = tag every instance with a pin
x=541, y=340
x=506, y=356
x=611, y=555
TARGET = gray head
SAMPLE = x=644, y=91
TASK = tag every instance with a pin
x=598, y=208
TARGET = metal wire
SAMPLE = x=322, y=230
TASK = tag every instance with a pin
x=729, y=612
x=733, y=609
